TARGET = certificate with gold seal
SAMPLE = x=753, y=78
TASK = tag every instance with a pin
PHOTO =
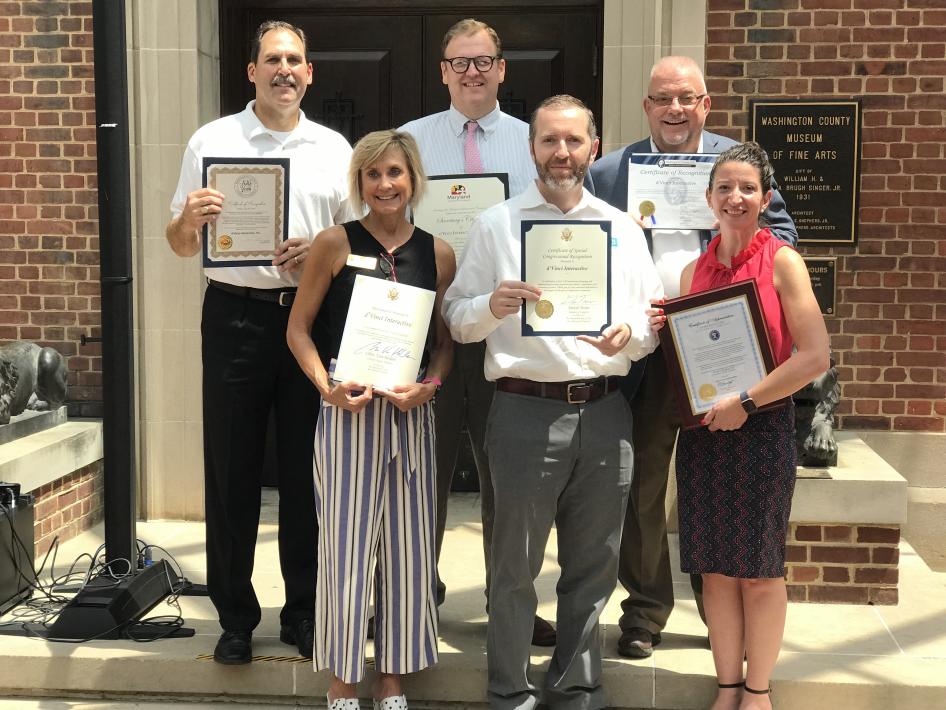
x=716, y=344
x=255, y=214
x=668, y=190
x=385, y=332
x=570, y=262
x=451, y=203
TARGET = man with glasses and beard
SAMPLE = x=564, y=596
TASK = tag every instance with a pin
x=558, y=437
x=472, y=136
x=676, y=106
x=247, y=367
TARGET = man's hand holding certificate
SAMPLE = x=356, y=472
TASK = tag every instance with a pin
x=253, y=221
x=569, y=262
x=667, y=190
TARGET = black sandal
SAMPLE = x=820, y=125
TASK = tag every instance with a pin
x=756, y=692
x=740, y=684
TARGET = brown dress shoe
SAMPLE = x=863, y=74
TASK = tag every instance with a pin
x=543, y=633
x=637, y=643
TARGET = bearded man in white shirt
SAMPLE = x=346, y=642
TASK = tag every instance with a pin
x=247, y=366
x=557, y=439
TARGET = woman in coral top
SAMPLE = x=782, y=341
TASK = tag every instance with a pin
x=736, y=474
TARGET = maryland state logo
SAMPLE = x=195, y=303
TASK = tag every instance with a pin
x=457, y=190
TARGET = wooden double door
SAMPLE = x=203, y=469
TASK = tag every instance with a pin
x=376, y=63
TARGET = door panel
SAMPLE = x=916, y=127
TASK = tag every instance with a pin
x=377, y=65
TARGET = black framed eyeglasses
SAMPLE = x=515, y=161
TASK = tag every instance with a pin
x=387, y=266
x=685, y=101
x=482, y=63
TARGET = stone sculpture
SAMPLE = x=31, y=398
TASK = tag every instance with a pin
x=814, y=420
x=31, y=377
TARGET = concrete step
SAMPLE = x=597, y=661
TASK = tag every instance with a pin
x=925, y=528
x=834, y=656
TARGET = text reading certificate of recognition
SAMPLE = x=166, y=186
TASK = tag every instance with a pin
x=668, y=190
x=452, y=202
x=255, y=215
x=385, y=332
x=570, y=262
x=716, y=346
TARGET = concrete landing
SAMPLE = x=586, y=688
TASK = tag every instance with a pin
x=834, y=656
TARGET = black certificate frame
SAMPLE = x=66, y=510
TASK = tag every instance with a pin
x=525, y=226
x=206, y=163
x=672, y=350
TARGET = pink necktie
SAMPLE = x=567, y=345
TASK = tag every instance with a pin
x=471, y=153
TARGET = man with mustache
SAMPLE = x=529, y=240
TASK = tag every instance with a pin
x=248, y=369
x=558, y=437
x=676, y=106
x=472, y=136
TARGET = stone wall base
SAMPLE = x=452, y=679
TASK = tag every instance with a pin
x=68, y=506
x=842, y=563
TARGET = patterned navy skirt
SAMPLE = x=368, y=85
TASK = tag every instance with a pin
x=734, y=492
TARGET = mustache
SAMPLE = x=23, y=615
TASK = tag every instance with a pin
x=283, y=81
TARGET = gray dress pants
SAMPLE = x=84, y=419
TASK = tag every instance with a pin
x=567, y=464
x=464, y=398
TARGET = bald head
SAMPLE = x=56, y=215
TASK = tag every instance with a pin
x=676, y=104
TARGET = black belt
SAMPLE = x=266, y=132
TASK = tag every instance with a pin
x=576, y=392
x=279, y=296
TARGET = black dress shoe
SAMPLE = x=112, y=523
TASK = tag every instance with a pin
x=300, y=635
x=637, y=643
x=234, y=648
x=543, y=633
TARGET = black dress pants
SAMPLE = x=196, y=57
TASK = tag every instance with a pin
x=248, y=369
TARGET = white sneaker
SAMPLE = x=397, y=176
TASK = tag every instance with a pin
x=343, y=703
x=394, y=702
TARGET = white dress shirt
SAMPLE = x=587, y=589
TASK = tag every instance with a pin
x=503, y=142
x=674, y=248
x=318, y=182
x=493, y=255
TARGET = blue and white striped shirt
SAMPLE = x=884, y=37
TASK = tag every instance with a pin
x=503, y=142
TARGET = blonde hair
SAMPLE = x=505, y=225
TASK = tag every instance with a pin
x=369, y=150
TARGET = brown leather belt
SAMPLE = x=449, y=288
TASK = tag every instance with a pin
x=279, y=296
x=575, y=392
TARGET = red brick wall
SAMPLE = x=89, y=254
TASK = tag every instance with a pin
x=842, y=563
x=49, y=275
x=889, y=336
x=67, y=506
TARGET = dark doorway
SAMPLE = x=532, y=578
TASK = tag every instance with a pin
x=377, y=63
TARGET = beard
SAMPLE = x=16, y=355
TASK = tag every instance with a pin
x=564, y=182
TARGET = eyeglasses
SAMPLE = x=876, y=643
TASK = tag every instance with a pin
x=685, y=101
x=387, y=266
x=461, y=64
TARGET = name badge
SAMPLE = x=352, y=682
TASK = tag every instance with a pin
x=362, y=262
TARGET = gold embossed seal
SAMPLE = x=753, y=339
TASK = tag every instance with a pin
x=544, y=309
x=647, y=208
x=224, y=241
x=707, y=391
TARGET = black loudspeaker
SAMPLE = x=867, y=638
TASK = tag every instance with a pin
x=105, y=605
x=16, y=550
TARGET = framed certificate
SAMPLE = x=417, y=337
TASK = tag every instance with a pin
x=716, y=344
x=255, y=215
x=570, y=262
x=668, y=190
x=452, y=202
x=384, y=334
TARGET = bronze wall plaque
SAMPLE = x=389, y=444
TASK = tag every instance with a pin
x=822, y=270
x=815, y=147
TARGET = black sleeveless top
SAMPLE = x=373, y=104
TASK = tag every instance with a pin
x=414, y=263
